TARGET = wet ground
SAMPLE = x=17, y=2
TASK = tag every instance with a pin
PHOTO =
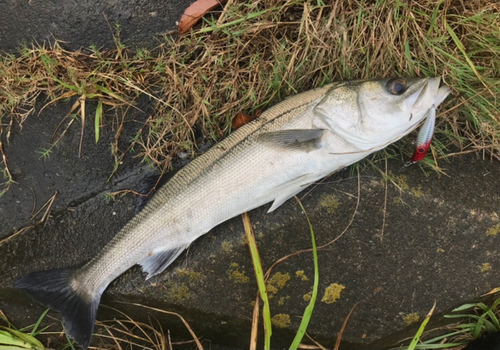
x=80, y=24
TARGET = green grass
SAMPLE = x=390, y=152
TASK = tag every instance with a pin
x=472, y=321
x=14, y=339
x=256, y=56
x=304, y=323
x=261, y=284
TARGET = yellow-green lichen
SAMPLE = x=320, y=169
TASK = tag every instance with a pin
x=242, y=240
x=485, y=267
x=192, y=275
x=398, y=200
x=410, y=319
x=401, y=182
x=179, y=292
x=281, y=301
x=493, y=231
x=307, y=296
x=281, y=320
x=332, y=293
x=329, y=202
x=417, y=192
x=300, y=274
x=276, y=282
x=236, y=275
x=227, y=246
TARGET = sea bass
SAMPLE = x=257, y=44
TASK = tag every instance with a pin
x=290, y=146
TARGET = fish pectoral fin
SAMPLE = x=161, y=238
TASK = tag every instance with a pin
x=160, y=260
x=306, y=139
x=287, y=190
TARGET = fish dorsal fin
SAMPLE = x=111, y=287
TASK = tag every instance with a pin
x=305, y=139
x=160, y=260
x=287, y=190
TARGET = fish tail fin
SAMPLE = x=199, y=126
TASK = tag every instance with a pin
x=53, y=288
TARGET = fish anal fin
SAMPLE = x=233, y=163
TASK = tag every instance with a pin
x=53, y=288
x=160, y=260
x=289, y=189
x=304, y=139
x=283, y=198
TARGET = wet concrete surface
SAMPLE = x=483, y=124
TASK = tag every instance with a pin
x=438, y=244
x=80, y=24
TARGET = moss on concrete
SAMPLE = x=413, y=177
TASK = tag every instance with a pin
x=485, y=267
x=190, y=274
x=281, y=320
x=227, y=246
x=179, y=291
x=300, y=274
x=417, y=192
x=410, y=319
x=401, y=182
x=493, y=231
x=236, y=275
x=329, y=202
x=276, y=282
x=332, y=293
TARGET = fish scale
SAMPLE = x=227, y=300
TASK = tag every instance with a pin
x=289, y=147
x=187, y=185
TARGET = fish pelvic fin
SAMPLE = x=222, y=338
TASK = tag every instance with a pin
x=160, y=260
x=53, y=288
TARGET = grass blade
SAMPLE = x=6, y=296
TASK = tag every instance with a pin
x=310, y=307
x=416, y=338
x=37, y=324
x=460, y=46
x=259, y=275
x=98, y=118
x=14, y=339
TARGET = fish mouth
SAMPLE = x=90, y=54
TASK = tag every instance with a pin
x=428, y=95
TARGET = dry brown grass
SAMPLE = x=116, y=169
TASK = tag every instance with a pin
x=256, y=55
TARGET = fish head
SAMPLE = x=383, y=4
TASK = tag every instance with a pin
x=380, y=112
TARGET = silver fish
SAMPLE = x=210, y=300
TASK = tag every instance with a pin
x=289, y=147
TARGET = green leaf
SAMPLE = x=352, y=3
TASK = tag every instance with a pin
x=13, y=339
x=32, y=341
x=259, y=274
x=37, y=324
x=310, y=307
x=416, y=338
x=464, y=307
x=98, y=118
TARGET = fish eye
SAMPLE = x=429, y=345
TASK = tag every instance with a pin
x=396, y=86
x=421, y=150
